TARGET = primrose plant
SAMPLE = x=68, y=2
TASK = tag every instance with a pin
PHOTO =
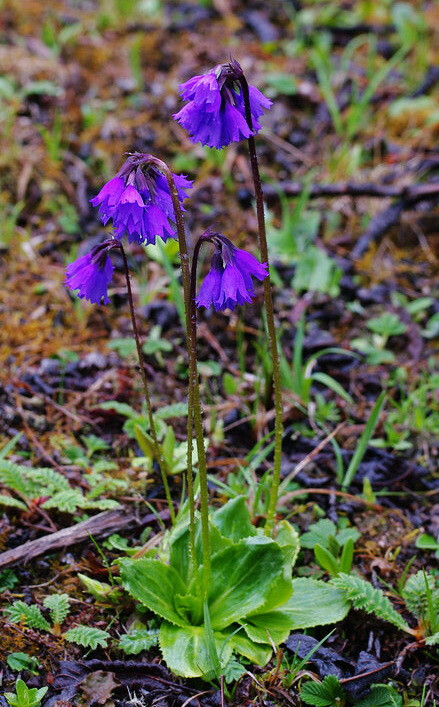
x=218, y=585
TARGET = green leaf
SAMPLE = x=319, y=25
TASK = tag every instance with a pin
x=427, y=542
x=241, y=580
x=432, y=640
x=155, y=585
x=186, y=649
x=233, y=671
x=365, y=597
x=416, y=594
x=347, y=556
x=314, y=603
x=145, y=442
x=366, y=436
x=326, y=559
x=87, y=637
x=121, y=408
x=331, y=383
x=167, y=411
x=59, y=605
x=288, y=540
x=322, y=694
x=100, y=590
x=13, y=476
x=318, y=533
x=138, y=640
x=381, y=696
x=25, y=696
x=233, y=520
x=271, y=627
x=23, y=661
x=30, y=615
x=67, y=501
x=12, y=502
x=387, y=324
x=258, y=653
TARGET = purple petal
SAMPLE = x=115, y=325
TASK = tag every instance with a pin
x=89, y=279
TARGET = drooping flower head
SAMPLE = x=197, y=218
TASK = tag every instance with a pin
x=139, y=202
x=215, y=113
x=229, y=280
x=92, y=273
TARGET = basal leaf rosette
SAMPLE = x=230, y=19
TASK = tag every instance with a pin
x=250, y=600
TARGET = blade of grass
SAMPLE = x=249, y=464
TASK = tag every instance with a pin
x=363, y=442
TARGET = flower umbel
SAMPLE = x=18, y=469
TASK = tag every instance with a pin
x=229, y=281
x=139, y=202
x=215, y=112
x=92, y=273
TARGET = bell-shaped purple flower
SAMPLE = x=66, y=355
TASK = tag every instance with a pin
x=215, y=112
x=229, y=281
x=92, y=273
x=139, y=202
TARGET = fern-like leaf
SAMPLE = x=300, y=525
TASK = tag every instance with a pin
x=365, y=597
x=30, y=615
x=13, y=476
x=416, y=594
x=59, y=605
x=432, y=640
x=12, y=502
x=47, y=481
x=66, y=501
x=138, y=640
x=87, y=637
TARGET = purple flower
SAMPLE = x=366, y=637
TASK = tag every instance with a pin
x=229, y=281
x=215, y=112
x=92, y=273
x=139, y=202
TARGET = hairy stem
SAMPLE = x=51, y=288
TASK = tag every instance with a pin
x=194, y=406
x=157, y=448
x=271, y=326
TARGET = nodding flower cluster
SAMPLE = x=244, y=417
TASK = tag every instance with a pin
x=215, y=112
x=229, y=280
x=139, y=203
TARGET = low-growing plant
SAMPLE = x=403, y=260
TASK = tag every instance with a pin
x=333, y=549
x=25, y=696
x=252, y=603
x=46, y=488
x=420, y=594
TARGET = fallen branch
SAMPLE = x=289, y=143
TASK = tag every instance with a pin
x=98, y=526
x=411, y=193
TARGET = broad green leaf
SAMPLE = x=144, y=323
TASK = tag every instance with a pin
x=256, y=652
x=314, y=603
x=242, y=577
x=272, y=627
x=186, y=652
x=288, y=539
x=180, y=550
x=233, y=520
x=154, y=584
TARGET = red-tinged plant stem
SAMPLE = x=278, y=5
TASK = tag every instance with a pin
x=194, y=406
x=157, y=448
x=271, y=326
